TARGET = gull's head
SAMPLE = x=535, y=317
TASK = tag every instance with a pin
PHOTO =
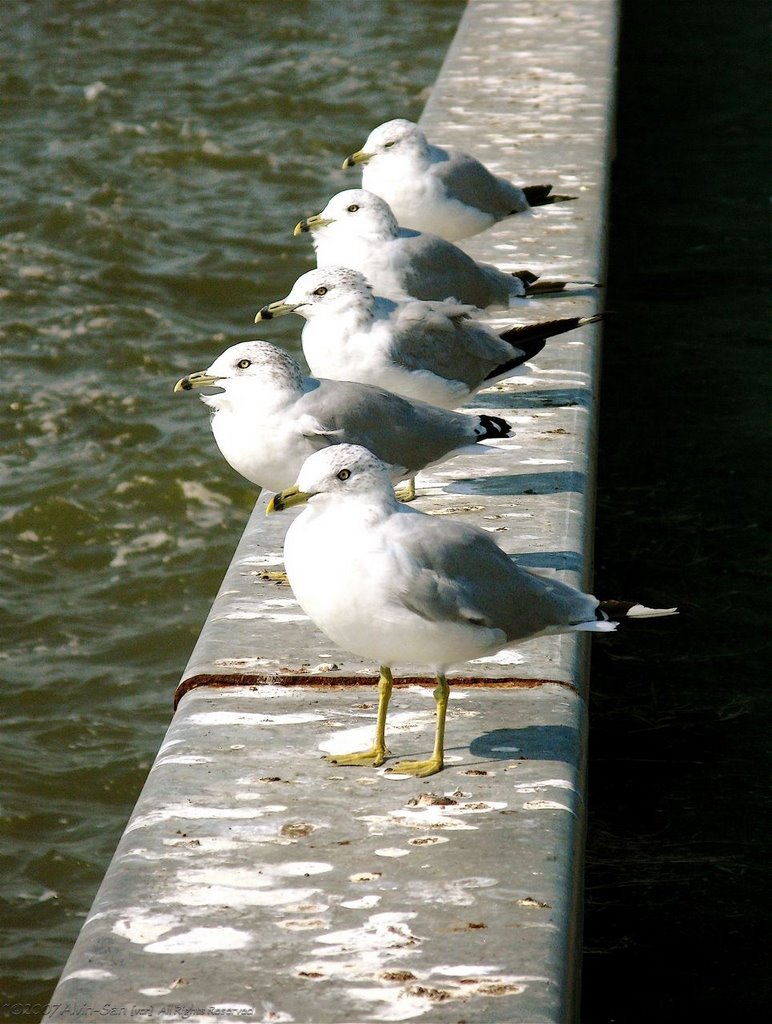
x=340, y=472
x=355, y=213
x=328, y=291
x=245, y=366
x=392, y=138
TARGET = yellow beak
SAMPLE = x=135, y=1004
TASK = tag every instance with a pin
x=311, y=224
x=275, y=309
x=286, y=499
x=202, y=379
x=360, y=157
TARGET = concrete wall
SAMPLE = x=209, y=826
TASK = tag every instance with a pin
x=257, y=882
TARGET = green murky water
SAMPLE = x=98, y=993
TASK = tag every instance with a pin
x=155, y=158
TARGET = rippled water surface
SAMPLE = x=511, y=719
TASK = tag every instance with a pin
x=155, y=158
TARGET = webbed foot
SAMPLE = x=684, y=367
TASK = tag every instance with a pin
x=274, y=575
x=406, y=493
x=420, y=769
x=374, y=757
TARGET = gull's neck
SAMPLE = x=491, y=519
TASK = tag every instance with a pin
x=358, y=316
x=357, y=511
x=252, y=397
x=344, y=248
x=382, y=307
x=435, y=155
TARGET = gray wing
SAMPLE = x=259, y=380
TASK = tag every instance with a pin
x=436, y=269
x=470, y=182
x=400, y=432
x=425, y=337
x=457, y=573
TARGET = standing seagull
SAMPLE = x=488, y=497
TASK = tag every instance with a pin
x=432, y=189
x=267, y=418
x=357, y=229
x=393, y=584
x=432, y=351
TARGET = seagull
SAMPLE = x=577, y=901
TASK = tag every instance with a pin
x=448, y=193
x=388, y=582
x=267, y=417
x=431, y=351
x=357, y=229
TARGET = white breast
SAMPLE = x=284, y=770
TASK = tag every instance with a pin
x=348, y=580
x=268, y=451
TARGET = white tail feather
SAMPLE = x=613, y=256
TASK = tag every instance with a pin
x=640, y=611
x=596, y=626
x=478, y=447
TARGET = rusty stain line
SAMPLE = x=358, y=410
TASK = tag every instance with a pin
x=221, y=682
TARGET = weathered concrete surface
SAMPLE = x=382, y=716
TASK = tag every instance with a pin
x=255, y=875
x=257, y=882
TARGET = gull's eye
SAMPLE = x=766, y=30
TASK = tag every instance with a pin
x=388, y=145
x=320, y=291
x=244, y=363
x=353, y=208
x=344, y=474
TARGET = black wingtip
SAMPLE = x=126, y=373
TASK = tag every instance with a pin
x=542, y=287
x=537, y=195
x=529, y=339
x=615, y=609
x=540, y=195
x=526, y=276
x=494, y=426
x=525, y=349
x=530, y=334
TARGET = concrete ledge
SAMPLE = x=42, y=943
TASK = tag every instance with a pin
x=255, y=881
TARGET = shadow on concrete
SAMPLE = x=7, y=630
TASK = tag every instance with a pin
x=550, y=560
x=519, y=483
x=549, y=398
x=532, y=742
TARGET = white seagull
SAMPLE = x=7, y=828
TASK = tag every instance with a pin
x=357, y=229
x=446, y=192
x=393, y=584
x=267, y=418
x=432, y=351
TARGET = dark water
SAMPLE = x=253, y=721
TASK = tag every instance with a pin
x=155, y=158
x=677, y=888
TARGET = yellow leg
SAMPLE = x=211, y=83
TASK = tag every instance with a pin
x=435, y=762
x=406, y=493
x=378, y=753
